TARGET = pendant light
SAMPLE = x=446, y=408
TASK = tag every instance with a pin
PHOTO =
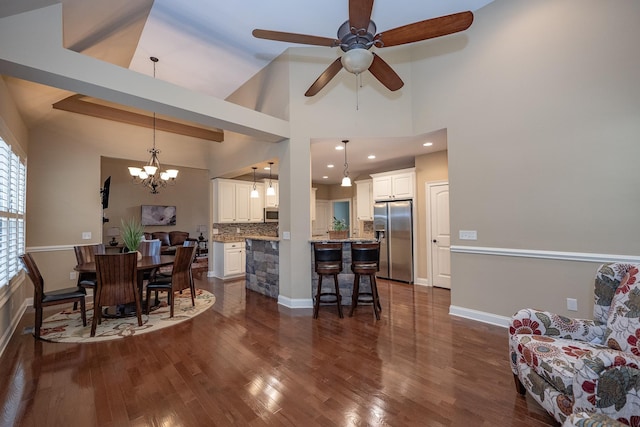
x=150, y=175
x=254, y=192
x=346, y=181
x=270, y=190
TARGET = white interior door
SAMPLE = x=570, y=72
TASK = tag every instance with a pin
x=440, y=235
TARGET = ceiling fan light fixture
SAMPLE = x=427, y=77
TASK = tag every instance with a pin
x=357, y=60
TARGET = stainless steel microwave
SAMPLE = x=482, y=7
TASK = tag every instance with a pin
x=270, y=214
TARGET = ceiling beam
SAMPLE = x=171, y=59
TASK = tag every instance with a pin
x=83, y=105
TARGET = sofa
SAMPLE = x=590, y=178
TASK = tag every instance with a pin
x=169, y=240
x=584, y=365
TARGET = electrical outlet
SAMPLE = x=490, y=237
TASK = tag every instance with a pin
x=216, y=231
x=86, y=235
x=572, y=304
x=468, y=235
x=73, y=275
x=238, y=230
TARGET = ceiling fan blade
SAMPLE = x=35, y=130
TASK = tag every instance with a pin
x=295, y=38
x=360, y=13
x=385, y=74
x=324, y=78
x=426, y=29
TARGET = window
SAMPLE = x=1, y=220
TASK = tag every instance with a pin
x=13, y=174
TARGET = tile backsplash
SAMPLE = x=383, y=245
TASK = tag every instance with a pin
x=247, y=229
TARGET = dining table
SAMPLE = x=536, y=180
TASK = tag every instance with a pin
x=145, y=263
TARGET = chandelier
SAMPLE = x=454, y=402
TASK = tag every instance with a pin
x=149, y=175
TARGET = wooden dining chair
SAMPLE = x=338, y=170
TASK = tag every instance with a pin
x=150, y=247
x=117, y=284
x=43, y=299
x=181, y=278
x=84, y=254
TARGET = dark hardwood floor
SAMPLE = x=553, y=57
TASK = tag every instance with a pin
x=250, y=362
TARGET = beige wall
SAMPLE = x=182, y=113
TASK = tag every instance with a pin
x=429, y=168
x=542, y=133
x=189, y=194
x=12, y=297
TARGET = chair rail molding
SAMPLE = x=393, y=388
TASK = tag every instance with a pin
x=554, y=255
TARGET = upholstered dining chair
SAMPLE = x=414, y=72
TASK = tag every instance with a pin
x=43, y=299
x=150, y=247
x=84, y=254
x=117, y=284
x=181, y=278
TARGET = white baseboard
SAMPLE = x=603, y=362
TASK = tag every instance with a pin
x=479, y=316
x=422, y=281
x=4, y=340
x=295, y=303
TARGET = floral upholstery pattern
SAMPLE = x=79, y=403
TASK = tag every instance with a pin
x=584, y=419
x=573, y=365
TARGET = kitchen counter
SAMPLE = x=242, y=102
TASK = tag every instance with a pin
x=350, y=239
x=241, y=238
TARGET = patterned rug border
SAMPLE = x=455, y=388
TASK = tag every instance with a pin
x=66, y=326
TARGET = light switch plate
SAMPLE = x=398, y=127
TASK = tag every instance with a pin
x=286, y=235
x=468, y=235
x=86, y=235
x=572, y=304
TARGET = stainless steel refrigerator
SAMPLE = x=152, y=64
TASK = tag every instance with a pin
x=393, y=228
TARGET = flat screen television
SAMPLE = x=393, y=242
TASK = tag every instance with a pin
x=104, y=192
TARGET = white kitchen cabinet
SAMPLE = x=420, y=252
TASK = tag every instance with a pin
x=229, y=259
x=271, y=201
x=232, y=202
x=394, y=185
x=364, y=200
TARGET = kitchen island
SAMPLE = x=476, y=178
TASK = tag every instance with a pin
x=263, y=265
x=345, y=279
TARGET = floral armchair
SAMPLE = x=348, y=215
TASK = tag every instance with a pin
x=577, y=365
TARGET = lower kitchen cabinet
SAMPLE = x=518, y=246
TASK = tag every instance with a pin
x=229, y=259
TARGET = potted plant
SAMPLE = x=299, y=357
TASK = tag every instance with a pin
x=132, y=232
x=340, y=229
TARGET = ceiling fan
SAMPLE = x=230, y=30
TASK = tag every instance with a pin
x=358, y=35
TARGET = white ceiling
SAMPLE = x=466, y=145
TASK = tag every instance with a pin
x=207, y=46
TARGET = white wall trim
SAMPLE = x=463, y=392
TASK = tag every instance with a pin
x=6, y=336
x=50, y=248
x=295, y=303
x=479, y=316
x=422, y=281
x=555, y=255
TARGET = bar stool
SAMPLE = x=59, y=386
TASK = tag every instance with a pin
x=328, y=262
x=364, y=262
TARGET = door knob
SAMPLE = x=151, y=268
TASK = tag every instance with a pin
x=435, y=241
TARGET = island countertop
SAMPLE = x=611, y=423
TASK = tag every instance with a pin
x=349, y=240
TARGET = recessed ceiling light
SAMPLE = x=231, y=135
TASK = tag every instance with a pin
x=329, y=165
x=428, y=144
x=339, y=147
x=371, y=156
x=325, y=177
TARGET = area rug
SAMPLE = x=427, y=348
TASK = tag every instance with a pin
x=66, y=326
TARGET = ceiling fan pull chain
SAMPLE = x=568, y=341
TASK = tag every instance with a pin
x=358, y=83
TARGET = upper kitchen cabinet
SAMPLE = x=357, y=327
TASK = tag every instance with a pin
x=364, y=200
x=232, y=202
x=271, y=201
x=394, y=185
